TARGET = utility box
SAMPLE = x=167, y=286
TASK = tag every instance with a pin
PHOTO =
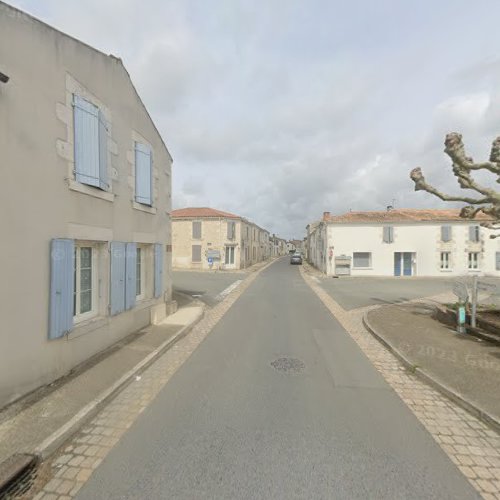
x=343, y=265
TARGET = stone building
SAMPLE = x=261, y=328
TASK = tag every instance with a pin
x=86, y=178
x=206, y=238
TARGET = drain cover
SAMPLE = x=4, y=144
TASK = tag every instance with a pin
x=288, y=365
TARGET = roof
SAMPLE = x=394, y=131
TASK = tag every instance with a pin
x=200, y=212
x=400, y=215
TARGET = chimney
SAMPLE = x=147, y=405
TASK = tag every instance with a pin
x=326, y=215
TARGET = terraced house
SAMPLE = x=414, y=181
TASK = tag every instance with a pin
x=207, y=238
x=85, y=223
x=403, y=242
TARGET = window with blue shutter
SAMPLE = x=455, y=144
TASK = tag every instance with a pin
x=143, y=174
x=117, y=285
x=158, y=269
x=445, y=233
x=62, y=284
x=130, y=275
x=91, y=144
x=388, y=235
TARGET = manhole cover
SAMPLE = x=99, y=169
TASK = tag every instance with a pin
x=288, y=365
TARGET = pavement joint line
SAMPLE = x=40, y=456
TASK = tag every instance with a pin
x=126, y=403
x=442, y=417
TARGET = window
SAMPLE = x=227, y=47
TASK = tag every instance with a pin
x=196, y=230
x=473, y=260
x=196, y=253
x=497, y=261
x=248, y=232
x=140, y=273
x=361, y=259
x=474, y=233
x=445, y=233
x=231, y=230
x=91, y=144
x=143, y=174
x=84, y=293
x=388, y=236
x=445, y=260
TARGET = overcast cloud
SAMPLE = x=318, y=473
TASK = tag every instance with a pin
x=281, y=109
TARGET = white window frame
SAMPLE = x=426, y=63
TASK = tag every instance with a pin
x=445, y=263
x=362, y=267
x=94, y=311
x=141, y=276
x=470, y=261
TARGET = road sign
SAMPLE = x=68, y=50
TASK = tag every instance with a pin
x=210, y=260
x=213, y=254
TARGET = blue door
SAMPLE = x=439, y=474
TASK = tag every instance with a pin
x=397, y=263
x=407, y=264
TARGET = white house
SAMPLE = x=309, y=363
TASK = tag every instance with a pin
x=403, y=242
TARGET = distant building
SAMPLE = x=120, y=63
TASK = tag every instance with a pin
x=278, y=246
x=206, y=238
x=86, y=181
x=402, y=242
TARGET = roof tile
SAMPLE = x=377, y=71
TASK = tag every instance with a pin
x=201, y=212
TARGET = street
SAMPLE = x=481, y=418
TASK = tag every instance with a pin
x=209, y=287
x=277, y=402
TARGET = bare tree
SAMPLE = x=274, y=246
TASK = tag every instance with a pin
x=488, y=201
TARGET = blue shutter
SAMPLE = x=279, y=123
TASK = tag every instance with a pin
x=62, y=287
x=158, y=269
x=117, y=295
x=130, y=275
x=103, y=152
x=86, y=124
x=143, y=174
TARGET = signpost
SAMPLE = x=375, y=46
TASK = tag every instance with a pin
x=460, y=290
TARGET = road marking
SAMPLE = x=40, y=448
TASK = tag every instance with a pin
x=228, y=290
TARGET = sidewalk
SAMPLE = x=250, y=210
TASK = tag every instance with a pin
x=464, y=367
x=40, y=426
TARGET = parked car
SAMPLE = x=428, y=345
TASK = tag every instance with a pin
x=296, y=258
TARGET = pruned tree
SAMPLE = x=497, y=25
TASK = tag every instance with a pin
x=488, y=201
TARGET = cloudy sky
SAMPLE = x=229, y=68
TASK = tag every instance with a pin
x=279, y=110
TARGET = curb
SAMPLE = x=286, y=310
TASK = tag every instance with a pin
x=54, y=441
x=475, y=410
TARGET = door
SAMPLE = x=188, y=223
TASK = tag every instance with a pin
x=397, y=263
x=403, y=263
x=407, y=261
x=229, y=259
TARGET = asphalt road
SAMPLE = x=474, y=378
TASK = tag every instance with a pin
x=206, y=286
x=277, y=402
x=354, y=292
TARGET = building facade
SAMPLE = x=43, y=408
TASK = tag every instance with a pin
x=205, y=238
x=402, y=242
x=86, y=202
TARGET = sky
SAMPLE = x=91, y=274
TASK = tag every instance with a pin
x=279, y=110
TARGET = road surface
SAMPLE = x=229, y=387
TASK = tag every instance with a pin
x=277, y=402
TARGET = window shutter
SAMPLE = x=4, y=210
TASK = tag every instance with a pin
x=118, y=250
x=143, y=174
x=158, y=269
x=196, y=253
x=388, y=234
x=86, y=125
x=445, y=233
x=62, y=287
x=230, y=230
x=103, y=152
x=497, y=258
x=130, y=275
x=196, y=230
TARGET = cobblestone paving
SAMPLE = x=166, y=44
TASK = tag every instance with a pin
x=471, y=445
x=74, y=464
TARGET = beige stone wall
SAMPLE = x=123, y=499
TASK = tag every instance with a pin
x=213, y=237
x=251, y=243
x=41, y=199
